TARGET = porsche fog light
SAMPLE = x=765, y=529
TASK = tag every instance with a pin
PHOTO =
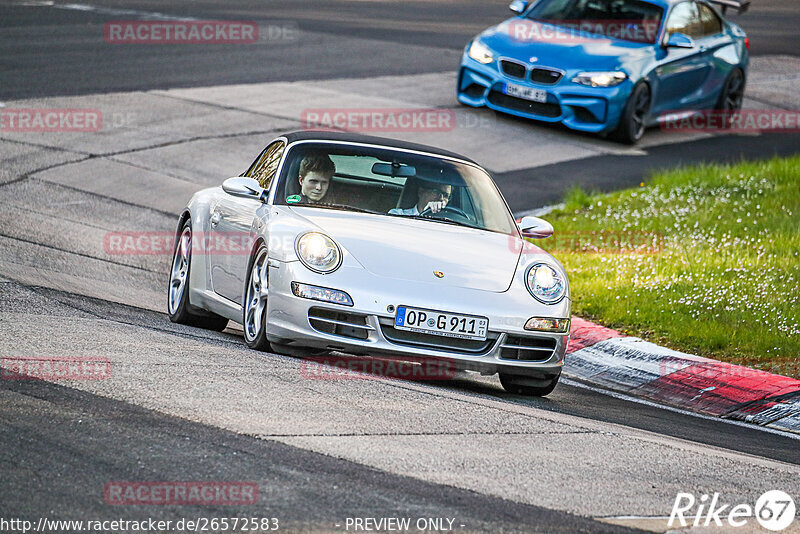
x=547, y=324
x=545, y=283
x=324, y=294
x=480, y=52
x=318, y=252
x=600, y=79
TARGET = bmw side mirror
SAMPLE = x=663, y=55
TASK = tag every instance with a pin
x=680, y=40
x=535, y=227
x=244, y=188
x=518, y=6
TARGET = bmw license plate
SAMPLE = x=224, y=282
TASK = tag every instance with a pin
x=527, y=93
x=441, y=323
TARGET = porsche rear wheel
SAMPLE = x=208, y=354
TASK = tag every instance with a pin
x=529, y=386
x=178, y=306
x=256, y=293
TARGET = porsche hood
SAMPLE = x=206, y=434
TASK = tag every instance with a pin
x=422, y=251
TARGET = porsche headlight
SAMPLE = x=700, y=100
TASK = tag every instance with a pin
x=600, y=79
x=546, y=284
x=318, y=252
x=480, y=52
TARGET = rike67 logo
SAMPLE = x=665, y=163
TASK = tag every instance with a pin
x=774, y=510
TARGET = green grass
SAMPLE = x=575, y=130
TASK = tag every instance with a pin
x=705, y=260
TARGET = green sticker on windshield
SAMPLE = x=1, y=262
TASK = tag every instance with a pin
x=293, y=199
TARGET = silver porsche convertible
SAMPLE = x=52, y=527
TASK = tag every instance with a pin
x=375, y=247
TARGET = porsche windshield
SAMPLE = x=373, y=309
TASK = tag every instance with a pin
x=628, y=20
x=392, y=183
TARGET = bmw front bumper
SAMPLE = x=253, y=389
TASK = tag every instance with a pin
x=366, y=328
x=582, y=108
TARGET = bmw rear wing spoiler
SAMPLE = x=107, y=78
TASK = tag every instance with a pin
x=739, y=5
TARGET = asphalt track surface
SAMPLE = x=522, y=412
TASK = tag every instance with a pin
x=49, y=51
x=61, y=444
x=45, y=430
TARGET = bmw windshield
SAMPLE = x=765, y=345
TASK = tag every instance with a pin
x=628, y=20
x=392, y=183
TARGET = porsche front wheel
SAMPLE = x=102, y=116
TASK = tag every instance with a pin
x=255, y=301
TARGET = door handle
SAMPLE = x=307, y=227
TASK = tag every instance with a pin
x=215, y=218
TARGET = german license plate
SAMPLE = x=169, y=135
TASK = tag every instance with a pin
x=527, y=93
x=441, y=323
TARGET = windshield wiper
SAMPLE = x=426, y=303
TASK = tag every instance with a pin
x=436, y=219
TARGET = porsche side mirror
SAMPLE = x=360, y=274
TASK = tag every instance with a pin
x=535, y=227
x=244, y=188
x=680, y=40
x=518, y=6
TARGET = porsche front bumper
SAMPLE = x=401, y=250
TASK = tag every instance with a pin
x=367, y=327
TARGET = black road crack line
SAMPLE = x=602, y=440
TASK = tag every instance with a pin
x=61, y=218
x=106, y=197
x=81, y=254
x=423, y=434
x=111, y=155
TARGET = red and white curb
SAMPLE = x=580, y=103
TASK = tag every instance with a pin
x=610, y=359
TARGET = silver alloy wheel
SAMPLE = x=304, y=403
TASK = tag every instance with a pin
x=256, y=298
x=180, y=268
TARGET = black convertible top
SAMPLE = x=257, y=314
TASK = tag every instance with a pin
x=304, y=135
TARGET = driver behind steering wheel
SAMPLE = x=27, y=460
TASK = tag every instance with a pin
x=430, y=196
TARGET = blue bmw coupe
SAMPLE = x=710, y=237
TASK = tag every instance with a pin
x=608, y=66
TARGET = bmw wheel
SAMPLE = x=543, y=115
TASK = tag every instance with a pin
x=732, y=96
x=632, y=123
x=178, y=306
x=255, y=300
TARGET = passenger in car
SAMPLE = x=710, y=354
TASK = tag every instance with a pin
x=430, y=195
x=316, y=171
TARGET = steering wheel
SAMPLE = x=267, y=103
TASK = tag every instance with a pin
x=445, y=211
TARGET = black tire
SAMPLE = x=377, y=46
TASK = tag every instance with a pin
x=255, y=331
x=179, y=308
x=633, y=121
x=731, y=96
x=528, y=386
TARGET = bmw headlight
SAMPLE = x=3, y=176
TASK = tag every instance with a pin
x=600, y=79
x=318, y=252
x=546, y=284
x=480, y=52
